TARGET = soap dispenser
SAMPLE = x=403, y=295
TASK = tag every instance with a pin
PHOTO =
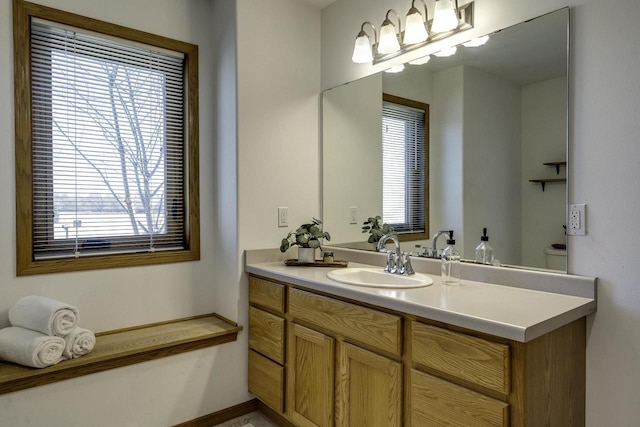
x=450, y=262
x=484, y=252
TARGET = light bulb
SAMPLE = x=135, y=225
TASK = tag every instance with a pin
x=388, y=38
x=445, y=17
x=415, y=30
x=362, y=49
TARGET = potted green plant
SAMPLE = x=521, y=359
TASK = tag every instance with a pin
x=376, y=228
x=307, y=238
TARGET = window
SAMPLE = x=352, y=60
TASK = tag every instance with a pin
x=106, y=144
x=405, y=129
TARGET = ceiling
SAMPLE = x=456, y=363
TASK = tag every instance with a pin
x=319, y=3
x=526, y=53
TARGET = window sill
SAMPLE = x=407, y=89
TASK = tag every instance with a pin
x=123, y=347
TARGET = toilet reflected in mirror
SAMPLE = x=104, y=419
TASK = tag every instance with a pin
x=555, y=259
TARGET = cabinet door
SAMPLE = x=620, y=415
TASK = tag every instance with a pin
x=310, y=374
x=368, y=388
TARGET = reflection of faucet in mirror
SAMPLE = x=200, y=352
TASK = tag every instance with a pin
x=398, y=262
x=434, y=245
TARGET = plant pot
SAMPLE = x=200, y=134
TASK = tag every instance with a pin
x=306, y=254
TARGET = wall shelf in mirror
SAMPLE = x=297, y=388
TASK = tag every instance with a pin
x=542, y=182
x=557, y=165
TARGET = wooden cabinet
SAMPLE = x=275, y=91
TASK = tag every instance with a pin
x=266, y=334
x=267, y=342
x=467, y=367
x=266, y=380
x=310, y=381
x=471, y=359
x=368, y=388
x=342, y=363
x=370, y=327
x=327, y=375
x=436, y=402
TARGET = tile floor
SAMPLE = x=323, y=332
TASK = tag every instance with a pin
x=252, y=419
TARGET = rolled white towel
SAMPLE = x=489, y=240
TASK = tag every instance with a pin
x=30, y=348
x=44, y=315
x=79, y=342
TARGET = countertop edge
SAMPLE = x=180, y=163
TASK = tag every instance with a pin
x=503, y=330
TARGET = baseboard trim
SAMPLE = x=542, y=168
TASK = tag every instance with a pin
x=223, y=415
x=274, y=416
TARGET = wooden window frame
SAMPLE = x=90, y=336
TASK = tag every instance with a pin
x=409, y=236
x=26, y=264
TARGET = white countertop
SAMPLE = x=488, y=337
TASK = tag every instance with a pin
x=505, y=311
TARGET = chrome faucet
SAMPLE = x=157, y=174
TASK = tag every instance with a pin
x=434, y=245
x=397, y=262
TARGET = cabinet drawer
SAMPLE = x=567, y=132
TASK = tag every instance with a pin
x=266, y=380
x=266, y=293
x=438, y=402
x=463, y=356
x=371, y=327
x=266, y=334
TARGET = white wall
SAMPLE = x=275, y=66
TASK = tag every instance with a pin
x=544, y=125
x=414, y=82
x=604, y=167
x=169, y=390
x=278, y=119
x=491, y=165
x=352, y=159
x=258, y=118
x=446, y=149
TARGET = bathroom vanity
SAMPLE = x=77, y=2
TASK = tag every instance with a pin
x=322, y=353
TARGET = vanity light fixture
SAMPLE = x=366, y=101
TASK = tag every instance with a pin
x=446, y=52
x=389, y=35
x=445, y=16
x=415, y=27
x=362, y=51
x=476, y=42
x=449, y=19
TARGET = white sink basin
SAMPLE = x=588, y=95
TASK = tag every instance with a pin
x=378, y=278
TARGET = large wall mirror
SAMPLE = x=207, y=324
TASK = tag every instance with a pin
x=496, y=121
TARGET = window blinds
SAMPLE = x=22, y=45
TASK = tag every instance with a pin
x=403, y=161
x=107, y=145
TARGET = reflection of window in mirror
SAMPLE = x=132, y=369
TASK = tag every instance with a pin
x=405, y=148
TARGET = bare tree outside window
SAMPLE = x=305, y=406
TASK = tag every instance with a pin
x=124, y=107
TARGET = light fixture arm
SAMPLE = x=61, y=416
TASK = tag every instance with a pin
x=388, y=21
x=458, y=13
x=375, y=32
x=426, y=10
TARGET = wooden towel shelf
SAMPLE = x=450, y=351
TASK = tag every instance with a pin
x=125, y=347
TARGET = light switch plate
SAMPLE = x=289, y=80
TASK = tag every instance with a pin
x=283, y=217
x=353, y=215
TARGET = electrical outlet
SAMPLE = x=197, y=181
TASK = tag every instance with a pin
x=353, y=215
x=577, y=220
x=283, y=217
